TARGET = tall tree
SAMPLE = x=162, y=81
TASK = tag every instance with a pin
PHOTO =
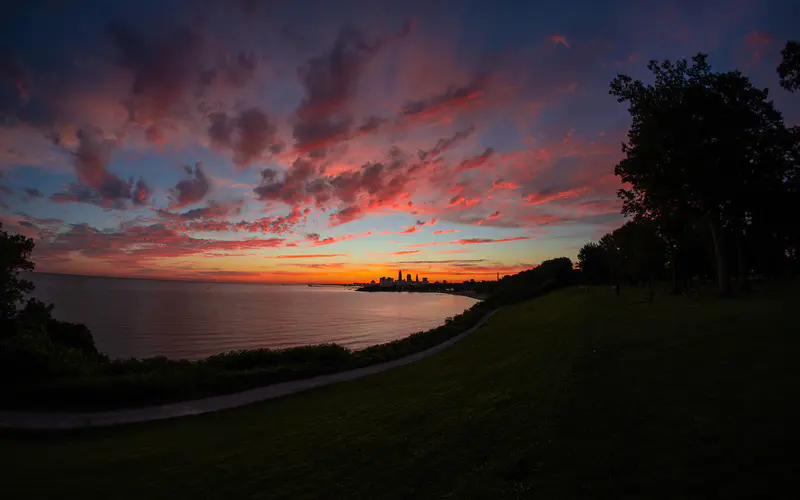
x=593, y=263
x=15, y=256
x=789, y=69
x=789, y=72
x=641, y=251
x=703, y=146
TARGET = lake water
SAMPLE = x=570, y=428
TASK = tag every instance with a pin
x=191, y=320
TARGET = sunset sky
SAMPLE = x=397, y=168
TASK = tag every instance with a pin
x=335, y=141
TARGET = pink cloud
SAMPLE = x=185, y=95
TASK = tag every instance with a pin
x=274, y=224
x=141, y=245
x=346, y=215
x=311, y=256
x=501, y=184
x=758, y=42
x=317, y=241
x=416, y=227
x=447, y=231
x=556, y=39
x=405, y=252
x=539, y=198
x=473, y=241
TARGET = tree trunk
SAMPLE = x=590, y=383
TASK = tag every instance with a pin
x=676, y=288
x=741, y=278
x=676, y=273
x=723, y=279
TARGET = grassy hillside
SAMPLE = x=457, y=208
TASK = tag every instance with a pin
x=573, y=395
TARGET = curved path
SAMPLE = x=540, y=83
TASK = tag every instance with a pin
x=52, y=420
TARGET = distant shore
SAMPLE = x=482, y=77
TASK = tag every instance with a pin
x=468, y=293
x=464, y=293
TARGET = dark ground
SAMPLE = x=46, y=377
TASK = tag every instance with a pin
x=576, y=394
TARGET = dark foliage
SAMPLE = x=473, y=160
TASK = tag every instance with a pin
x=706, y=152
x=548, y=276
x=15, y=256
x=789, y=69
x=634, y=253
x=34, y=346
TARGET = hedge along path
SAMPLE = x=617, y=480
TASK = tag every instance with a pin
x=58, y=420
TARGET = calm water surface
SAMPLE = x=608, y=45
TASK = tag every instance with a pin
x=190, y=320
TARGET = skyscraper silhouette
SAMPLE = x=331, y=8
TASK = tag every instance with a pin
x=400, y=275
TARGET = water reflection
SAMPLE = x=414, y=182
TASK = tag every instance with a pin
x=189, y=320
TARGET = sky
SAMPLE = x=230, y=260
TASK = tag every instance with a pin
x=321, y=142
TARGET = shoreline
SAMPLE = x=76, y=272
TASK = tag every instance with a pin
x=468, y=293
x=46, y=420
x=162, y=381
x=462, y=293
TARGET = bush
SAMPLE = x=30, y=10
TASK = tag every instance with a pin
x=32, y=356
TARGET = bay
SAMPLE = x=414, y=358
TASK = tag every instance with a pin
x=192, y=320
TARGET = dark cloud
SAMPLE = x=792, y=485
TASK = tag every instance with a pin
x=163, y=70
x=443, y=145
x=292, y=189
x=247, y=135
x=476, y=161
x=92, y=157
x=275, y=224
x=124, y=193
x=346, y=215
x=14, y=91
x=372, y=124
x=32, y=227
x=237, y=70
x=192, y=190
x=213, y=209
x=378, y=184
x=31, y=193
x=314, y=136
x=451, y=97
x=77, y=193
x=141, y=193
x=330, y=81
x=96, y=184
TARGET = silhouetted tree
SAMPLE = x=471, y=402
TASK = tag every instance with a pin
x=641, y=251
x=703, y=146
x=15, y=256
x=593, y=263
x=789, y=72
x=789, y=69
x=31, y=340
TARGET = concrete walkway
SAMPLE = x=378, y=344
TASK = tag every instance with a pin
x=51, y=420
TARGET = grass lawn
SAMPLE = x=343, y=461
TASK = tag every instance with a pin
x=572, y=395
